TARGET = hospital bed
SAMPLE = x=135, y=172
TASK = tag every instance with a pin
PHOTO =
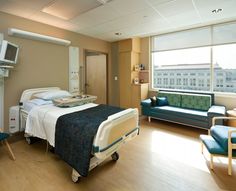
x=112, y=133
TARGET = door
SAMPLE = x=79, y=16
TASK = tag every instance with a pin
x=96, y=77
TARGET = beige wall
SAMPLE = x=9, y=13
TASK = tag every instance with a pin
x=228, y=100
x=43, y=64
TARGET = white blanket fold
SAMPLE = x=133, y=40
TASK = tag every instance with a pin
x=41, y=120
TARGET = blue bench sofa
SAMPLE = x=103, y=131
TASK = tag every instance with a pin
x=192, y=109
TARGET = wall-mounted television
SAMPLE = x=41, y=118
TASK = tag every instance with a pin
x=8, y=52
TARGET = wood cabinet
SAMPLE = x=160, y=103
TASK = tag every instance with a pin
x=129, y=56
x=125, y=79
x=139, y=92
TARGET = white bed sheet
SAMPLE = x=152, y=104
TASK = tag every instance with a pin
x=41, y=120
x=29, y=105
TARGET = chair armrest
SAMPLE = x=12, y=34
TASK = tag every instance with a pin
x=216, y=110
x=146, y=103
x=216, y=118
x=230, y=144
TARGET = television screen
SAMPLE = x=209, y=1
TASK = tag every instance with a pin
x=8, y=52
x=11, y=52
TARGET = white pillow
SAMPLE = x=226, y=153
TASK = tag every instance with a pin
x=28, y=105
x=53, y=94
x=40, y=101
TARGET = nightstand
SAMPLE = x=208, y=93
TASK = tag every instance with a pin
x=231, y=113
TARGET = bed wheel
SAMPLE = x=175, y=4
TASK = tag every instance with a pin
x=115, y=156
x=75, y=176
x=28, y=140
x=75, y=179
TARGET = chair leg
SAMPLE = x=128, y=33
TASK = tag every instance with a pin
x=149, y=119
x=201, y=147
x=9, y=150
x=230, y=167
x=211, y=162
x=209, y=132
x=230, y=160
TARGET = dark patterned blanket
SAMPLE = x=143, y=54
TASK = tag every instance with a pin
x=75, y=133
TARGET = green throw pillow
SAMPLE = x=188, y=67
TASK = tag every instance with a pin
x=162, y=101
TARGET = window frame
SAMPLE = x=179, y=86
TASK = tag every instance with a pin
x=220, y=94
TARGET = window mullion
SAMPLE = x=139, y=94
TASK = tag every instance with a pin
x=212, y=72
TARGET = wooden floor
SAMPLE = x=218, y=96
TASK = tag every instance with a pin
x=164, y=156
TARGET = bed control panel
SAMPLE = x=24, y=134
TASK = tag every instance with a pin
x=74, y=101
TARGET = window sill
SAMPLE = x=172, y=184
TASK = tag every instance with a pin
x=224, y=94
x=217, y=94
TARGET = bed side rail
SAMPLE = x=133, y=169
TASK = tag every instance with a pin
x=115, y=131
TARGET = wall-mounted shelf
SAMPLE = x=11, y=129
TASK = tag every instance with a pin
x=6, y=66
x=142, y=75
x=4, y=70
x=142, y=71
x=140, y=84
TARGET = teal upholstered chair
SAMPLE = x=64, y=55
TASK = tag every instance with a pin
x=3, y=139
x=221, y=141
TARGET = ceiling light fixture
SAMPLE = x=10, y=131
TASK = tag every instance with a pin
x=217, y=10
x=36, y=36
x=118, y=33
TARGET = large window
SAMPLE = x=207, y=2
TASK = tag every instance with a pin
x=224, y=60
x=186, y=69
x=196, y=60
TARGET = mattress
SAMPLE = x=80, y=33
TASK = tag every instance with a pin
x=41, y=120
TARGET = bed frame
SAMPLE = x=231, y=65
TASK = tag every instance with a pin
x=111, y=134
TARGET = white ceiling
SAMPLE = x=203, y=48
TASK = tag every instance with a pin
x=132, y=18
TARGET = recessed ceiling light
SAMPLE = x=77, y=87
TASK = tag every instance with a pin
x=217, y=10
x=118, y=33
